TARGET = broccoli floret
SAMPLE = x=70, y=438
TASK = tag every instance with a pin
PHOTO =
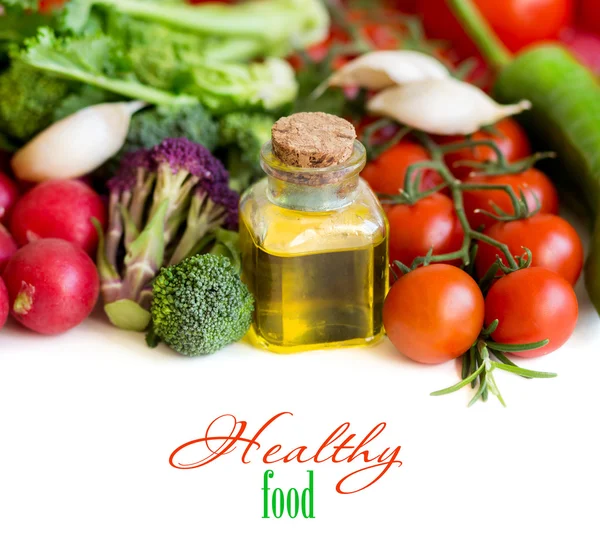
x=151, y=126
x=244, y=134
x=28, y=98
x=200, y=305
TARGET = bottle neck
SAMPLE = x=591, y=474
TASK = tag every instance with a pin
x=313, y=189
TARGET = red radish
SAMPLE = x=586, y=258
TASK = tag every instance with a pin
x=8, y=247
x=61, y=209
x=8, y=197
x=52, y=285
x=3, y=303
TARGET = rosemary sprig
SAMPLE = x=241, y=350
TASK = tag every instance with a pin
x=483, y=358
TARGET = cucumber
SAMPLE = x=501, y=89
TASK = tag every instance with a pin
x=565, y=117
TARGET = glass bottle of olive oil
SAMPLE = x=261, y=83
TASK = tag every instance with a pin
x=314, y=250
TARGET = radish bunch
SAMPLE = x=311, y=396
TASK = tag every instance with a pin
x=50, y=284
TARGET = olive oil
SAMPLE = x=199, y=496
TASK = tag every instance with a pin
x=316, y=300
x=313, y=240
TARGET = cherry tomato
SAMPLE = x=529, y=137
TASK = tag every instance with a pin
x=386, y=173
x=434, y=314
x=415, y=229
x=510, y=138
x=588, y=15
x=516, y=22
x=535, y=185
x=553, y=242
x=532, y=305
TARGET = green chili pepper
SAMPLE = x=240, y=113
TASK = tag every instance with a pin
x=565, y=115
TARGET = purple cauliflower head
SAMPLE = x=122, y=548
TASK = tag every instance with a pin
x=182, y=154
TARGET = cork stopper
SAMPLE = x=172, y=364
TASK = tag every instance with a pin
x=313, y=140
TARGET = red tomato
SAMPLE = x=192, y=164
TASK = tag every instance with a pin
x=516, y=22
x=588, y=15
x=386, y=173
x=415, y=229
x=511, y=139
x=532, y=305
x=534, y=184
x=553, y=242
x=434, y=314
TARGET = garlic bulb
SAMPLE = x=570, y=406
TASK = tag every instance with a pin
x=442, y=106
x=384, y=68
x=77, y=144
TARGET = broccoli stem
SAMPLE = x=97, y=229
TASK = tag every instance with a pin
x=141, y=192
x=115, y=229
x=203, y=217
x=144, y=257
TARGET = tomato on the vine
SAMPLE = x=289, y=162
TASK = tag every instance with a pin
x=516, y=22
x=532, y=305
x=553, y=242
x=535, y=186
x=386, y=173
x=508, y=136
x=434, y=314
x=431, y=222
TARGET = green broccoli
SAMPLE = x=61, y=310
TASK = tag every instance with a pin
x=244, y=134
x=151, y=126
x=199, y=306
x=28, y=98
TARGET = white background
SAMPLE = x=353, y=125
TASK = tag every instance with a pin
x=89, y=419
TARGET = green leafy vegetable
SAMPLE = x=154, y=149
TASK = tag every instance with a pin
x=97, y=61
x=224, y=88
x=16, y=25
x=244, y=134
x=277, y=26
x=28, y=98
x=200, y=305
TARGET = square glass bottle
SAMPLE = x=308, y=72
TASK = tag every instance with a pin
x=314, y=253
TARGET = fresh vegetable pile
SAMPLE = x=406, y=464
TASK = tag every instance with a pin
x=132, y=127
